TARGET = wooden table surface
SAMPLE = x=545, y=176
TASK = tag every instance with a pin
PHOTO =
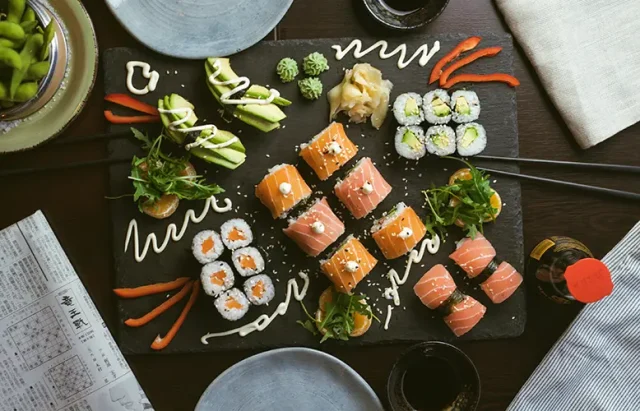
x=74, y=203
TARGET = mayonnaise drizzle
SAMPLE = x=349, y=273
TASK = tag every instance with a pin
x=200, y=143
x=386, y=322
x=240, y=83
x=424, y=51
x=172, y=230
x=153, y=77
x=264, y=320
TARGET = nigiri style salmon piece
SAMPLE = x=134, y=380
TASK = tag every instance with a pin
x=316, y=228
x=473, y=256
x=282, y=189
x=502, y=283
x=435, y=287
x=465, y=315
x=328, y=151
x=398, y=232
x=362, y=189
x=348, y=265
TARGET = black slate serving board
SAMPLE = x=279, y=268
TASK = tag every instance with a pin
x=410, y=322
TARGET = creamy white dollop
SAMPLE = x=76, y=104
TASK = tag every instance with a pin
x=351, y=266
x=152, y=76
x=334, y=148
x=240, y=83
x=405, y=233
x=423, y=51
x=285, y=188
x=317, y=227
x=367, y=188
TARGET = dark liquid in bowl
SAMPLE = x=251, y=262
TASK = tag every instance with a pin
x=431, y=384
x=405, y=5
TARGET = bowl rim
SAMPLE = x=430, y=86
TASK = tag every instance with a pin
x=379, y=19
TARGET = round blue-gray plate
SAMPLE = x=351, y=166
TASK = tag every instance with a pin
x=196, y=29
x=289, y=379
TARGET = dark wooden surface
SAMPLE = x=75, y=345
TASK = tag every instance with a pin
x=74, y=202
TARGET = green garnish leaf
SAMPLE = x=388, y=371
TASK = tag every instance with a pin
x=309, y=326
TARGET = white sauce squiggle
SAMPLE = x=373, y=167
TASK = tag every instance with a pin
x=240, y=83
x=264, y=320
x=172, y=230
x=389, y=310
x=423, y=51
x=153, y=77
x=201, y=143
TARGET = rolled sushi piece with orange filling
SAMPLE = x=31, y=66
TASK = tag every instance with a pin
x=282, y=189
x=362, y=189
x=207, y=246
x=399, y=231
x=232, y=304
x=328, y=151
x=259, y=289
x=248, y=261
x=316, y=228
x=236, y=233
x=216, y=277
x=348, y=264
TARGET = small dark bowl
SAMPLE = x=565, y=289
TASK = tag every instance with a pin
x=405, y=20
x=461, y=366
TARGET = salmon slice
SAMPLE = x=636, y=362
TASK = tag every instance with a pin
x=473, y=256
x=502, y=283
x=316, y=228
x=328, y=151
x=207, y=245
x=348, y=265
x=232, y=303
x=218, y=277
x=237, y=235
x=258, y=289
x=247, y=262
x=465, y=315
x=399, y=231
x=362, y=189
x=282, y=189
x=435, y=287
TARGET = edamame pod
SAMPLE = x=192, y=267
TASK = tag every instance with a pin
x=29, y=15
x=26, y=91
x=31, y=47
x=7, y=104
x=11, y=31
x=37, y=71
x=12, y=44
x=16, y=10
x=4, y=92
x=29, y=26
x=10, y=57
x=49, y=33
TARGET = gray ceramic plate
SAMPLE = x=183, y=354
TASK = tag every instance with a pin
x=290, y=379
x=197, y=29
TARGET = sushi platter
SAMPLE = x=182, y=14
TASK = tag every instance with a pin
x=370, y=197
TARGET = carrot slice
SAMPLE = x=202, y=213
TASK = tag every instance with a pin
x=139, y=322
x=465, y=45
x=488, y=52
x=116, y=119
x=151, y=288
x=482, y=78
x=130, y=102
x=161, y=342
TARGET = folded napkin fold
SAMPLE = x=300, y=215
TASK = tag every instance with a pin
x=587, y=55
x=595, y=365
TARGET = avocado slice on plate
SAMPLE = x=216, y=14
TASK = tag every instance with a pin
x=256, y=91
x=210, y=157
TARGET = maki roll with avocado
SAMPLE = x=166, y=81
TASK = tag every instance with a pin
x=465, y=106
x=440, y=140
x=409, y=142
x=408, y=109
x=436, y=106
x=471, y=139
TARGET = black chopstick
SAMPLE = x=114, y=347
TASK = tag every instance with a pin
x=594, y=166
x=601, y=190
x=70, y=166
x=94, y=137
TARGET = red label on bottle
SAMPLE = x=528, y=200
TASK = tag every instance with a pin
x=588, y=280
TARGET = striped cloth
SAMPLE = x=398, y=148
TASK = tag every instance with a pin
x=595, y=365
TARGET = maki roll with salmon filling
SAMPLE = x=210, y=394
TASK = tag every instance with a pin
x=465, y=106
x=207, y=246
x=248, y=261
x=408, y=109
x=471, y=139
x=435, y=105
x=216, y=277
x=328, y=151
x=348, y=264
x=232, y=305
x=398, y=232
x=236, y=233
x=282, y=189
x=362, y=189
x=409, y=142
x=259, y=289
x=440, y=140
x=316, y=228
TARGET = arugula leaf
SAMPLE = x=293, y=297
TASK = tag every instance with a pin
x=309, y=326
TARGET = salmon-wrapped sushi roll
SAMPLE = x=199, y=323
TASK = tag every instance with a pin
x=282, y=189
x=328, y=151
x=473, y=255
x=316, y=228
x=502, y=283
x=348, y=265
x=465, y=315
x=435, y=287
x=399, y=231
x=362, y=189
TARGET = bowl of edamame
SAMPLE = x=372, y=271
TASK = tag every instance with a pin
x=32, y=58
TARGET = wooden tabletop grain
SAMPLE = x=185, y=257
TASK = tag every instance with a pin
x=74, y=203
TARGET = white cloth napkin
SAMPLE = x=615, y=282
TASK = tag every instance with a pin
x=595, y=365
x=587, y=55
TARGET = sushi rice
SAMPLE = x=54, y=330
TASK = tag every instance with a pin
x=436, y=107
x=465, y=106
x=409, y=142
x=236, y=233
x=471, y=139
x=207, y=246
x=232, y=304
x=248, y=261
x=259, y=289
x=408, y=109
x=216, y=277
x=440, y=140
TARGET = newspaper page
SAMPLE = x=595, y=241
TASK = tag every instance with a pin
x=56, y=352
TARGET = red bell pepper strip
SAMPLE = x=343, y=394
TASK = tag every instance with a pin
x=130, y=102
x=488, y=52
x=465, y=45
x=139, y=322
x=481, y=78
x=151, y=288
x=115, y=119
x=161, y=342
